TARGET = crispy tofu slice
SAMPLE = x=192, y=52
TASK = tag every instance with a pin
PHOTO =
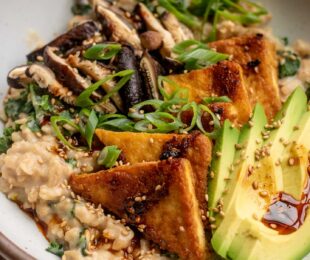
x=146, y=147
x=257, y=57
x=222, y=79
x=157, y=197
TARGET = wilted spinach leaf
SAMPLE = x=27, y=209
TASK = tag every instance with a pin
x=290, y=64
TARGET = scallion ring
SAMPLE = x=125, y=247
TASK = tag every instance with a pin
x=104, y=51
x=108, y=156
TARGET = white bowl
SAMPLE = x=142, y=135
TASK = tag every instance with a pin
x=19, y=20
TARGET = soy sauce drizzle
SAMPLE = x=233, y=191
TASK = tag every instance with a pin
x=286, y=214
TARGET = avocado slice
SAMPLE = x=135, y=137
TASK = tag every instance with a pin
x=223, y=156
x=249, y=139
x=295, y=159
x=256, y=241
x=242, y=200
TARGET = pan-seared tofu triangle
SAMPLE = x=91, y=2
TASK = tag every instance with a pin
x=250, y=77
x=161, y=191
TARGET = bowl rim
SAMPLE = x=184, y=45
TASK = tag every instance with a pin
x=10, y=251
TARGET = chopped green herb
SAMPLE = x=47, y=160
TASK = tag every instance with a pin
x=72, y=162
x=14, y=107
x=83, y=243
x=108, y=156
x=290, y=64
x=6, y=139
x=102, y=51
x=285, y=41
x=56, y=249
x=33, y=124
x=81, y=9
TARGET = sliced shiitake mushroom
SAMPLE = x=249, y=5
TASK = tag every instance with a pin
x=150, y=69
x=132, y=93
x=97, y=72
x=178, y=31
x=70, y=39
x=117, y=28
x=45, y=78
x=17, y=77
x=70, y=78
x=154, y=25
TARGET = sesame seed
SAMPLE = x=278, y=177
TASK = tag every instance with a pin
x=206, y=197
x=213, y=226
x=238, y=146
x=218, y=154
x=212, y=219
x=255, y=185
x=291, y=161
x=132, y=110
x=216, y=210
x=211, y=174
x=182, y=229
x=274, y=226
x=138, y=199
x=151, y=140
x=255, y=216
x=263, y=193
x=158, y=187
x=222, y=213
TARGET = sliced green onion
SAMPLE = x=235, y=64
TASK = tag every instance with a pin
x=201, y=58
x=135, y=110
x=217, y=124
x=61, y=119
x=118, y=124
x=83, y=100
x=108, y=156
x=104, y=118
x=102, y=51
x=91, y=127
x=164, y=122
x=191, y=106
x=210, y=100
x=187, y=45
x=185, y=18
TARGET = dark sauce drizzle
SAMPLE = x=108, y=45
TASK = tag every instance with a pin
x=286, y=214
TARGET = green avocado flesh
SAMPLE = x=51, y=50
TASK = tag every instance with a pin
x=224, y=151
x=269, y=159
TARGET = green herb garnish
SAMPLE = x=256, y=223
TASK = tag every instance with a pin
x=14, y=107
x=86, y=129
x=103, y=51
x=84, y=100
x=210, y=100
x=196, y=55
x=108, y=156
x=6, y=139
x=290, y=64
x=166, y=115
x=56, y=249
x=72, y=162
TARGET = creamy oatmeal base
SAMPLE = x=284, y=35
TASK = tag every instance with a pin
x=35, y=176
